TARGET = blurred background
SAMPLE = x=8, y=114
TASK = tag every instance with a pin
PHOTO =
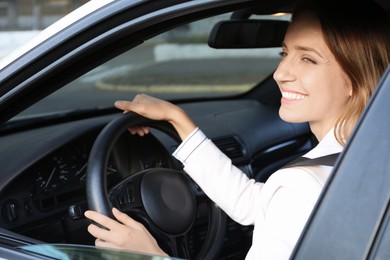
x=20, y=20
x=20, y=15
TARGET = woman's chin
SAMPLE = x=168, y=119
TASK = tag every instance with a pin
x=291, y=118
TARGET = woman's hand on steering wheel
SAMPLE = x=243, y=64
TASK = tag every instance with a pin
x=157, y=109
x=122, y=233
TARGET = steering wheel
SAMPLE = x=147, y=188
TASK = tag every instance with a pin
x=164, y=200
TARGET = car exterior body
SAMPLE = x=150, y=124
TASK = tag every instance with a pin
x=57, y=92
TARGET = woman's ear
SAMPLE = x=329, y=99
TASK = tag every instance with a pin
x=349, y=86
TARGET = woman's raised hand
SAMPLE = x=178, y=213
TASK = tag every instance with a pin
x=157, y=109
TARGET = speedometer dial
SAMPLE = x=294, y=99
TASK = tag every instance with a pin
x=65, y=170
x=78, y=163
x=52, y=176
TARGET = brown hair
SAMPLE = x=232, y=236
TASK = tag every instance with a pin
x=358, y=35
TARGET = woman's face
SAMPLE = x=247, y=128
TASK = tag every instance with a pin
x=314, y=87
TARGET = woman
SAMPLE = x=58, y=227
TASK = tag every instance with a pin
x=332, y=59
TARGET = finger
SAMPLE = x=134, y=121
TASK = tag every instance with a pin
x=146, y=129
x=102, y=243
x=139, y=130
x=137, y=105
x=123, y=105
x=99, y=233
x=133, y=131
x=125, y=219
x=101, y=219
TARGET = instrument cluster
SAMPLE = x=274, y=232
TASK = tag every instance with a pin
x=47, y=189
x=65, y=169
x=60, y=178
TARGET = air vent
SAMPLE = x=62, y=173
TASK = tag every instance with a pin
x=230, y=146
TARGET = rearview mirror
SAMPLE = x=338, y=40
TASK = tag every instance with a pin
x=234, y=34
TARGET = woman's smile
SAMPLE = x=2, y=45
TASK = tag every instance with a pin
x=288, y=97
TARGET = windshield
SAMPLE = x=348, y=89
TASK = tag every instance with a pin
x=177, y=64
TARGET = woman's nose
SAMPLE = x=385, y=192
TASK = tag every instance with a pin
x=284, y=72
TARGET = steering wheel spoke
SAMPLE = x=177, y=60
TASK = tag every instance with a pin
x=126, y=195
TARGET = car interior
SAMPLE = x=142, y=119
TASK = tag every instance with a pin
x=45, y=153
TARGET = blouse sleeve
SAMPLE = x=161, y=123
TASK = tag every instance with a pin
x=280, y=207
x=224, y=183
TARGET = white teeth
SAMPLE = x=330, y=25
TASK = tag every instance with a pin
x=294, y=96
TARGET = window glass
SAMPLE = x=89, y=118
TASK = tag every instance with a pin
x=177, y=64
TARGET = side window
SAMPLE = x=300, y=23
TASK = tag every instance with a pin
x=177, y=64
x=180, y=64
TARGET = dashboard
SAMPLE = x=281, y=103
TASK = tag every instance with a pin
x=43, y=173
x=52, y=189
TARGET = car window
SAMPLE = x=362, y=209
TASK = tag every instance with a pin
x=177, y=64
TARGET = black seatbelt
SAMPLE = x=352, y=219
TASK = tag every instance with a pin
x=327, y=160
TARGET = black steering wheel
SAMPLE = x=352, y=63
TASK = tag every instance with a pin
x=164, y=200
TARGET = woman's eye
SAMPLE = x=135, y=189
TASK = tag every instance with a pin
x=283, y=54
x=309, y=60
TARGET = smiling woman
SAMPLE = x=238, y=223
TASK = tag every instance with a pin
x=314, y=86
x=210, y=66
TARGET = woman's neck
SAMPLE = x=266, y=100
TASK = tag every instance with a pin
x=320, y=131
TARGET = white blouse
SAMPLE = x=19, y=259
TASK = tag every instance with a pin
x=278, y=208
